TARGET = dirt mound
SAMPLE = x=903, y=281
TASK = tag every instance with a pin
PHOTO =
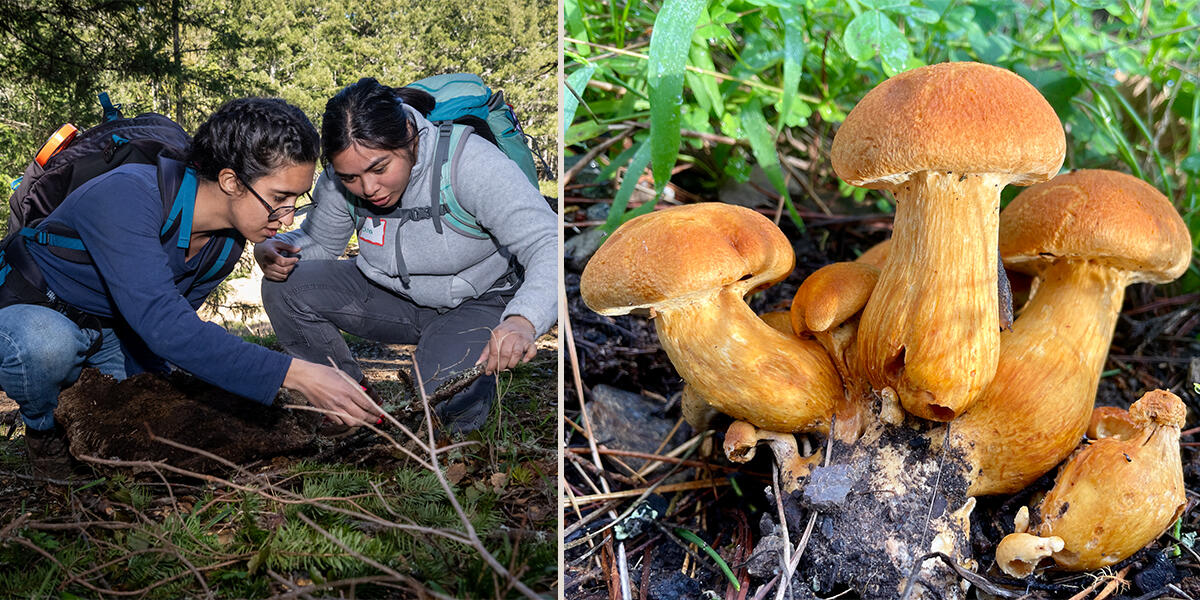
x=110, y=419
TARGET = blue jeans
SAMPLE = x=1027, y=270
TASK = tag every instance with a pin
x=42, y=352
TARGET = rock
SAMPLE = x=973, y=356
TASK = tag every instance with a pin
x=598, y=211
x=110, y=419
x=827, y=487
x=627, y=421
x=1157, y=574
x=674, y=586
x=578, y=250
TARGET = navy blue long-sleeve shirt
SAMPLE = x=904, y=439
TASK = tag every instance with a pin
x=149, y=283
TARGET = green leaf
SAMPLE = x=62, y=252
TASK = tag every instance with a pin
x=575, y=25
x=669, y=44
x=793, y=63
x=1090, y=4
x=738, y=168
x=883, y=4
x=917, y=13
x=991, y=47
x=873, y=33
x=577, y=81
x=582, y=132
x=617, y=215
x=762, y=144
x=1056, y=86
x=1191, y=165
x=703, y=85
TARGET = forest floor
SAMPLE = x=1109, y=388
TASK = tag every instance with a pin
x=684, y=477
x=300, y=515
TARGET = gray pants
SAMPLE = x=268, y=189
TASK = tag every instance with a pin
x=321, y=297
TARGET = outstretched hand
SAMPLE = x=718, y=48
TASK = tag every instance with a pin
x=326, y=388
x=274, y=264
x=510, y=345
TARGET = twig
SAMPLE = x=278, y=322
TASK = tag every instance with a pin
x=977, y=580
x=670, y=487
x=658, y=458
x=458, y=510
x=587, y=426
x=593, y=153
x=1113, y=583
x=785, y=557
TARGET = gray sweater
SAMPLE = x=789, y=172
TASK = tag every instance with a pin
x=446, y=269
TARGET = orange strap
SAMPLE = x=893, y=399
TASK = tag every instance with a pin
x=61, y=139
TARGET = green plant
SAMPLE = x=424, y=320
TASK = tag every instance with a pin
x=768, y=81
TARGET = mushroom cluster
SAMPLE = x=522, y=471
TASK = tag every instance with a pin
x=909, y=357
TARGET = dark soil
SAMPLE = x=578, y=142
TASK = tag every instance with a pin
x=121, y=420
x=1154, y=346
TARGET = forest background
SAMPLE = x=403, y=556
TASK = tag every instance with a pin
x=183, y=58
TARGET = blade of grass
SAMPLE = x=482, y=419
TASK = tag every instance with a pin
x=616, y=214
x=695, y=539
x=669, y=44
x=1141, y=125
x=793, y=61
x=621, y=160
x=762, y=145
x=576, y=81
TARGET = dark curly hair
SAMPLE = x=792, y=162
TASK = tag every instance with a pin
x=253, y=136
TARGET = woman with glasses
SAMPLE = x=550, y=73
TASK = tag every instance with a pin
x=132, y=306
x=463, y=298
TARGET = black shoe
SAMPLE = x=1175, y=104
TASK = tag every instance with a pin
x=50, y=454
x=461, y=417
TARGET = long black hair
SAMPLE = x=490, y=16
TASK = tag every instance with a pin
x=253, y=136
x=372, y=115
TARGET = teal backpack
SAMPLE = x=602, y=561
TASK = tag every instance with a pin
x=461, y=95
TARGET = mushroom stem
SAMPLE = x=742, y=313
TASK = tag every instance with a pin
x=1038, y=406
x=930, y=330
x=746, y=369
x=742, y=439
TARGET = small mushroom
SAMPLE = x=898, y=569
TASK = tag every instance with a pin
x=1114, y=496
x=944, y=139
x=825, y=307
x=1085, y=235
x=692, y=267
x=1019, y=554
x=1110, y=421
x=741, y=443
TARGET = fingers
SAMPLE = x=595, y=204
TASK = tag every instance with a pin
x=510, y=349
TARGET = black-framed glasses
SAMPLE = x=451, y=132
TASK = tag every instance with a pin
x=273, y=214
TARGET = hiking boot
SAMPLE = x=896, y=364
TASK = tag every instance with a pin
x=49, y=453
x=464, y=413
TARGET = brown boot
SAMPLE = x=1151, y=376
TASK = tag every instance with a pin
x=50, y=455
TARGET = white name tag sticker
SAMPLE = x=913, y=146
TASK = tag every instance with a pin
x=372, y=234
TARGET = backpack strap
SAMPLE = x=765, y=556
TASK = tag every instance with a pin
x=177, y=186
x=452, y=138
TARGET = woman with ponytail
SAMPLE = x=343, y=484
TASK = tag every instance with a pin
x=153, y=255
x=462, y=297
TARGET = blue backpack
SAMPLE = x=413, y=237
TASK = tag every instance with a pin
x=462, y=95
